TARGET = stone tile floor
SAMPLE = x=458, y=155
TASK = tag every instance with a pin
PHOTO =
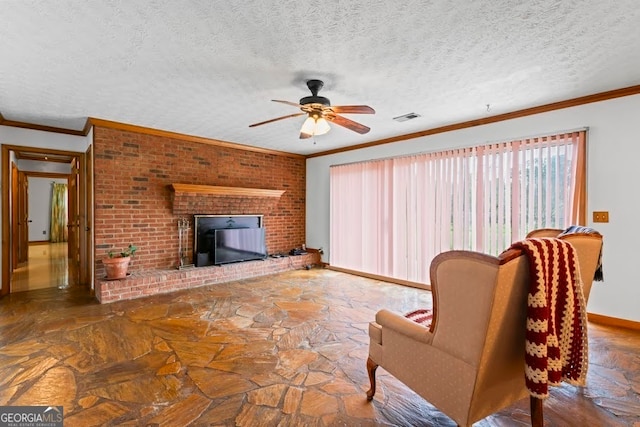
x=282, y=350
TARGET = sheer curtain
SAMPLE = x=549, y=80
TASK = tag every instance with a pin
x=391, y=217
x=59, y=232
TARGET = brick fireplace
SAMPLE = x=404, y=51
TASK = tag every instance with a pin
x=146, y=181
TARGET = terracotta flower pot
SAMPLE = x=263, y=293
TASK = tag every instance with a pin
x=116, y=268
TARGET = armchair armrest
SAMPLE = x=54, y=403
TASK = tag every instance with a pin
x=404, y=326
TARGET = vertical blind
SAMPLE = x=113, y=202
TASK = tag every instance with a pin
x=390, y=217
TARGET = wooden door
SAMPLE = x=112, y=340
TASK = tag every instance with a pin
x=86, y=174
x=73, y=225
x=23, y=218
x=15, y=217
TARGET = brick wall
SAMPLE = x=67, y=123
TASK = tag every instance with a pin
x=133, y=200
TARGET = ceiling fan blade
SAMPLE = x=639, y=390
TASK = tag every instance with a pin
x=305, y=135
x=349, y=124
x=293, y=104
x=276, y=119
x=353, y=109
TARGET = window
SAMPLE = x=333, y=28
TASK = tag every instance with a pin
x=390, y=217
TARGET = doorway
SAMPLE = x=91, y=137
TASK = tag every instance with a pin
x=28, y=262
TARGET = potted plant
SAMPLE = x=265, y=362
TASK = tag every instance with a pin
x=117, y=264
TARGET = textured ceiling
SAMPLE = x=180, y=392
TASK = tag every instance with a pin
x=211, y=68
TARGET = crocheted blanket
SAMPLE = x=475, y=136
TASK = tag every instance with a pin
x=422, y=316
x=556, y=336
x=574, y=229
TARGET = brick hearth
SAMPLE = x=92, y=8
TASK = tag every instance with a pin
x=151, y=282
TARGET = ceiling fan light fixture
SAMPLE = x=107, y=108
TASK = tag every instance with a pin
x=322, y=126
x=315, y=126
x=309, y=126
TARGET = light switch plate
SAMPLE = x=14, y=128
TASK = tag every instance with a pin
x=600, y=216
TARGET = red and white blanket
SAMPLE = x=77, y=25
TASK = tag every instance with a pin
x=422, y=316
x=556, y=336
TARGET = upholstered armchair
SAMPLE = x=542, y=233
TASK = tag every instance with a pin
x=588, y=247
x=545, y=232
x=469, y=363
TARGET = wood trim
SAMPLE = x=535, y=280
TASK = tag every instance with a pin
x=190, y=138
x=381, y=278
x=87, y=126
x=24, y=125
x=597, y=97
x=47, y=175
x=40, y=159
x=214, y=190
x=27, y=148
x=5, y=287
x=613, y=321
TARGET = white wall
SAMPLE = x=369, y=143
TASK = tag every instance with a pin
x=34, y=138
x=613, y=171
x=47, y=167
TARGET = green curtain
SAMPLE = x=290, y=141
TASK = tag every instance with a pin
x=59, y=232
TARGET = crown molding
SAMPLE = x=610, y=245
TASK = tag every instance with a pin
x=588, y=99
x=183, y=137
x=33, y=126
x=93, y=121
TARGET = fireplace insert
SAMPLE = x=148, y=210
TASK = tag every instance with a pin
x=222, y=239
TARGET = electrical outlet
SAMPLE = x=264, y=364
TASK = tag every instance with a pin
x=44, y=232
x=600, y=216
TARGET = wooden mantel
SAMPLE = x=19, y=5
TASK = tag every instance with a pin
x=191, y=199
x=215, y=190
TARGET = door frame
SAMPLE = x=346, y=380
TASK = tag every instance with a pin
x=85, y=269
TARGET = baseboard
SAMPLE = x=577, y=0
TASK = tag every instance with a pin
x=382, y=278
x=613, y=321
x=39, y=242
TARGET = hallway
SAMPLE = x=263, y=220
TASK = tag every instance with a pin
x=48, y=267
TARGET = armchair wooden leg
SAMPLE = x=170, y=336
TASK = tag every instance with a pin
x=537, y=420
x=371, y=369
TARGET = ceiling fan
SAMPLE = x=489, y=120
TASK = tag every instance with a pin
x=319, y=112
